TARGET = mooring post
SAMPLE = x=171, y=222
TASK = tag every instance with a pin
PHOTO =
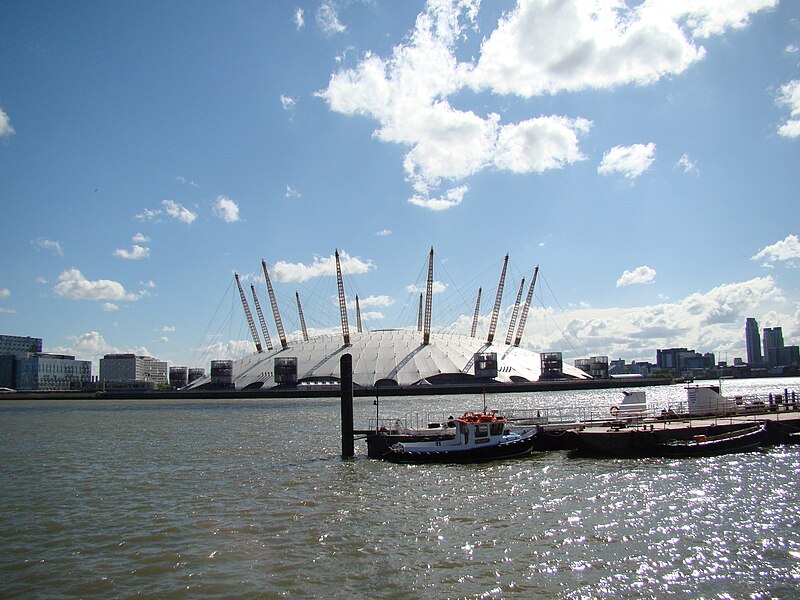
x=346, y=372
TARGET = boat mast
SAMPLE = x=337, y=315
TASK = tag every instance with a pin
x=302, y=319
x=475, y=316
x=276, y=314
x=248, y=314
x=497, y=301
x=261, y=317
x=514, y=313
x=342, y=303
x=358, y=315
x=524, y=316
x=426, y=335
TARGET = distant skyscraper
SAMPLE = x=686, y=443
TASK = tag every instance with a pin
x=752, y=340
x=773, y=341
x=773, y=338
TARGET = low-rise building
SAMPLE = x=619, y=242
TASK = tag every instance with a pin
x=127, y=368
x=41, y=371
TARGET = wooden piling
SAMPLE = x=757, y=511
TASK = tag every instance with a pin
x=346, y=374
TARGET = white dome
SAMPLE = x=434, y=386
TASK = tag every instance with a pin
x=392, y=357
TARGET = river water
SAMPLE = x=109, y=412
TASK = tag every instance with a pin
x=250, y=499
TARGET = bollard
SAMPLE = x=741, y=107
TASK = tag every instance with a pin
x=346, y=376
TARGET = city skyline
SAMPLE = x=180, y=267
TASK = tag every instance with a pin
x=646, y=160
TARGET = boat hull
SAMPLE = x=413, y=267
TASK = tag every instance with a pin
x=504, y=450
x=745, y=440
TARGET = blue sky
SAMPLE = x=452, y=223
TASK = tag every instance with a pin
x=644, y=155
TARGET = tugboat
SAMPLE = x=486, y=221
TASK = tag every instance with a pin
x=479, y=437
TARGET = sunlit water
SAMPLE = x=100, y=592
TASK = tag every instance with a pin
x=250, y=498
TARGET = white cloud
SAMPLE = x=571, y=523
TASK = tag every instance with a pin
x=373, y=315
x=4, y=293
x=50, y=245
x=89, y=346
x=452, y=198
x=140, y=238
x=136, y=252
x=537, y=48
x=230, y=350
x=299, y=21
x=178, y=211
x=8, y=311
x=540, y=144
x=321, y=267
x=74, y=286
x=6, y=130
x=291, y=192
x=148, y=284
x=631, y=161
x=226, y=209
x=789, y=96
x=148, y=215
x=639, y=275
x=383, y=233
x=381, y=300
x=287, y=102
x=110, y=307
x=437, y=288
x=168, y=329
x=686, y=164
x=328, y=18
x=787, y=250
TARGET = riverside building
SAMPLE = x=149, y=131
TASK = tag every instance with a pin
x=132, y=369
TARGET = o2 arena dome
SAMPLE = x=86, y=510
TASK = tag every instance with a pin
x=388, y=358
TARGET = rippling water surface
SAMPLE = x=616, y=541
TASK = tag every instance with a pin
x=250, y=499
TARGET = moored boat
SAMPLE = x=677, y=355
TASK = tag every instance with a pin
x=479, y=436
x=743, y=439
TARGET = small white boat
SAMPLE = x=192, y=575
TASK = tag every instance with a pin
x=479, y=436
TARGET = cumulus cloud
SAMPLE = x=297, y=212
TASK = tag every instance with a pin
x=381, y=300
x=172, y=209
x=136, y=252
x=785, y=250
x=299, y=20
x=639, y=275
x=229, y=350
x=288, y=103
x=50, y=245
x=451, y=198
x=110, y=307
x=437, y=288
x=74, y=286
x=226, y=209
x=708, y=321
x=372, y=315
x=178, y=211
x=630, y=161
x=291, y=192
x=383, y=233
x=789, y=96
x=537, y=48
x=183, y=180
x=6, y=130
x=140, y=238
x=321, y=267
x=327, y=16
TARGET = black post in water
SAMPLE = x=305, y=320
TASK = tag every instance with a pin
x=346, y=371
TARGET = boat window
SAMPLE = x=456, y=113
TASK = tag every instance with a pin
x=496, y=428
x=482, y=430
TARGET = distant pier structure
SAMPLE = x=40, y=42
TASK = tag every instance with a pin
x=412, y=358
